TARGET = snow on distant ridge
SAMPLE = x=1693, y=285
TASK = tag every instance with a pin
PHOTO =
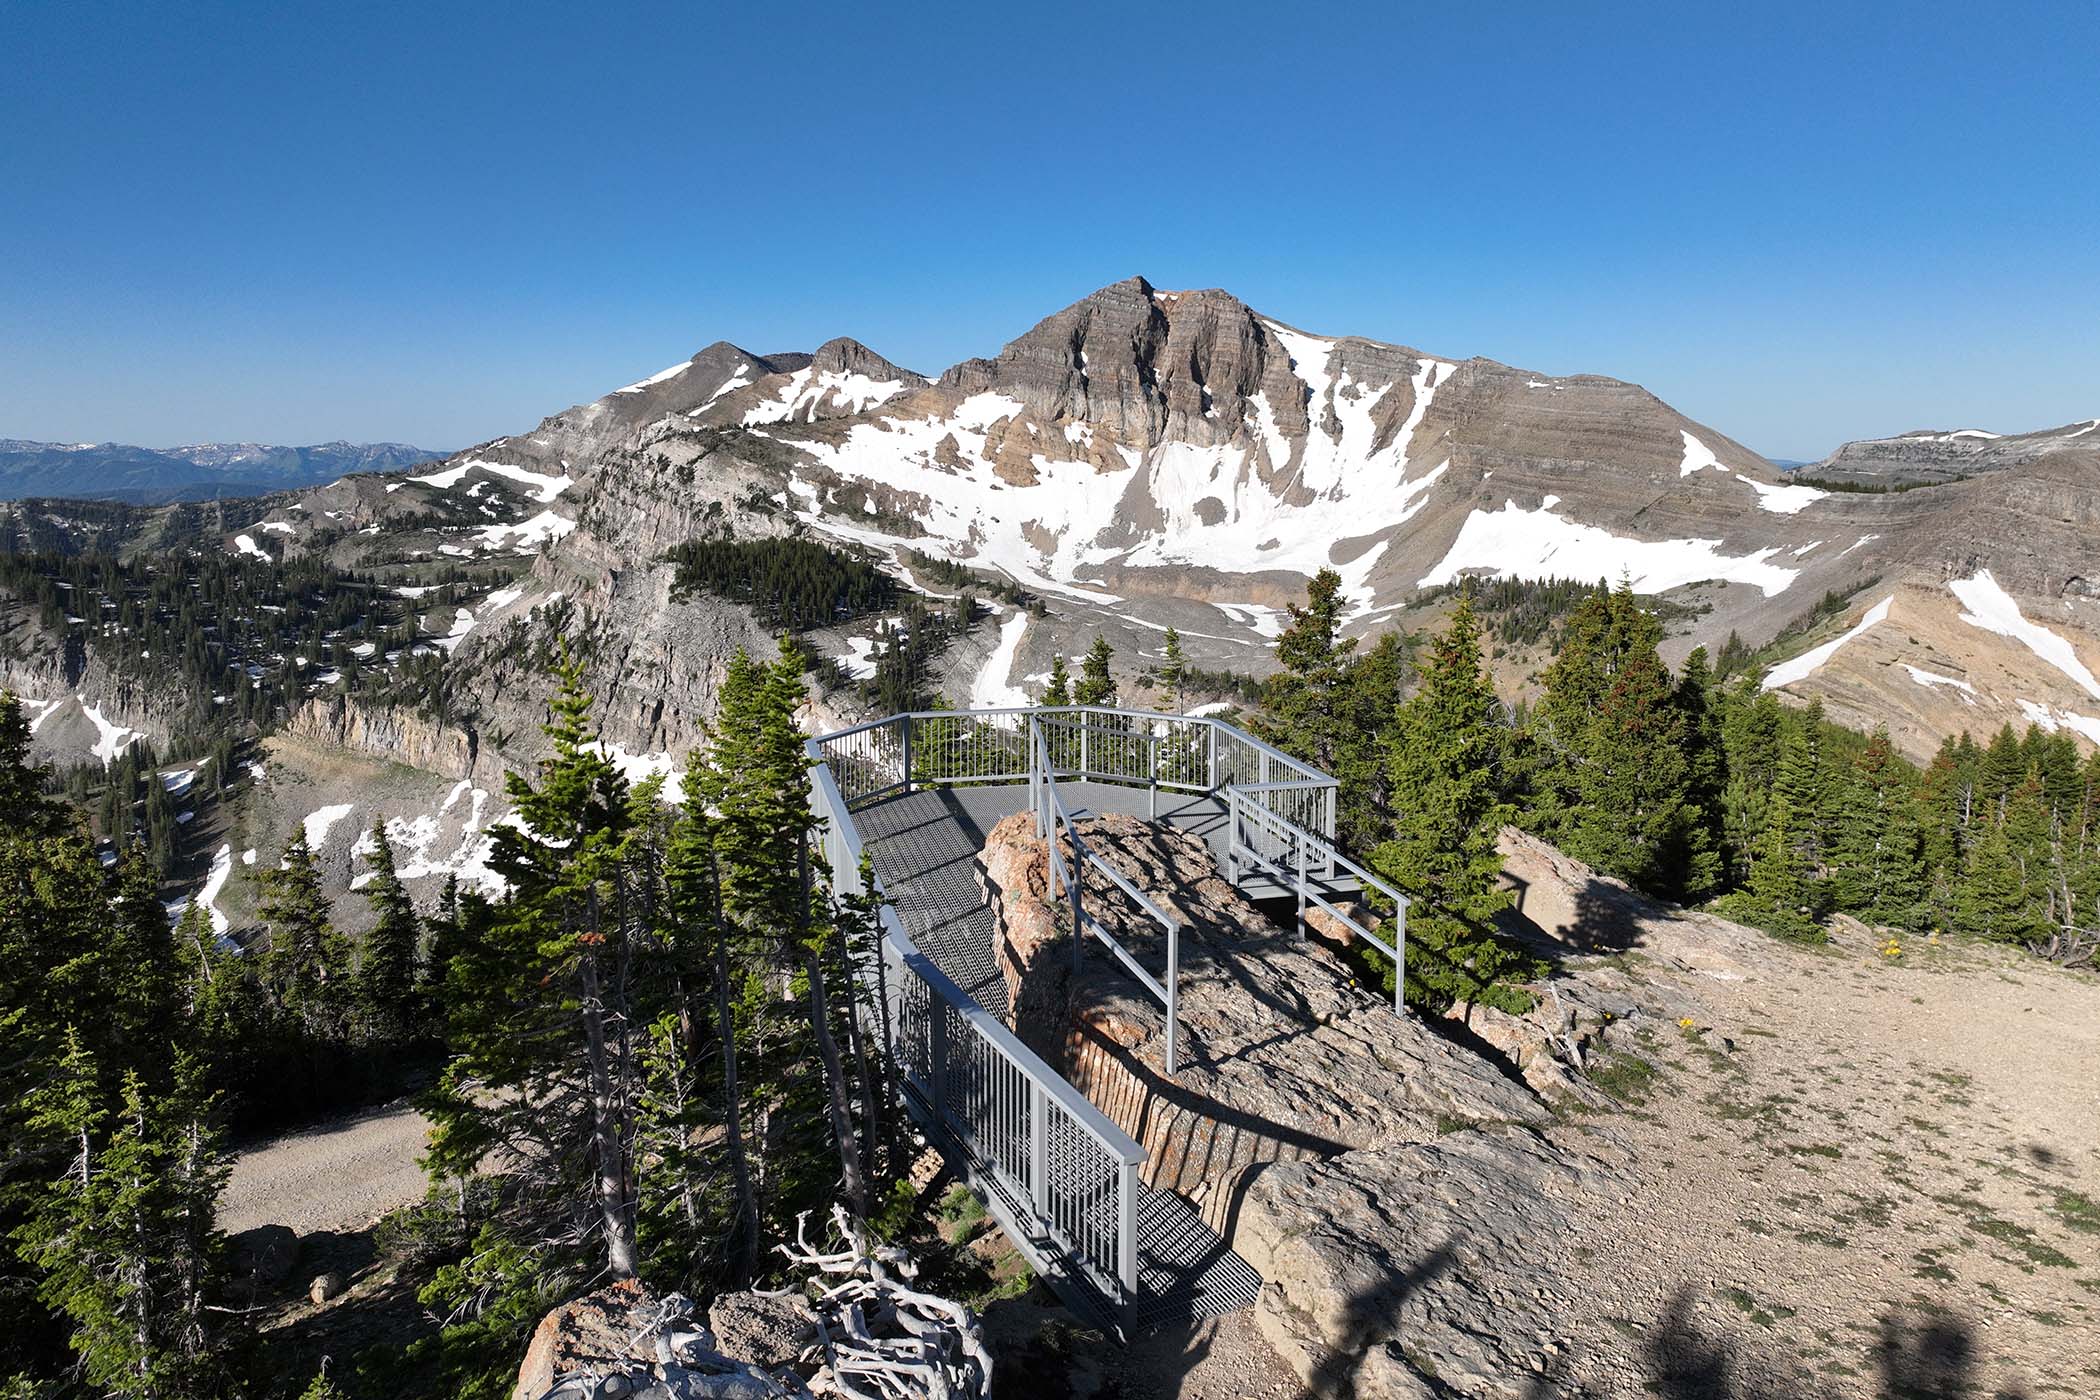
x=1991, y=608
x=1538, y=544
x=657, y=378
x=1697, y=456
x=1807, y=663
x=1782, y=500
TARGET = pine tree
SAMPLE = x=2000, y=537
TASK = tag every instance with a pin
x=1059, y=691
x=1447, y=814
x=386, y=976
x=540, y=1067
x=307, y=965
x=1991, y=901
x=124, y=1234
x=23, y=806
x=1706, y=779
x=1875, y=861
x=1096, y=685
x=1173, y=674
x=1302, y=702
x=1780, y=896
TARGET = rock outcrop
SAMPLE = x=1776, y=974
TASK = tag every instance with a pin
x=1284, y=1054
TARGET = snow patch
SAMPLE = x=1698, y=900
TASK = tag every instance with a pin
x=1537, y=544
x=1697, y=456
x=1805, y=665
x=1993, y=609
x=1782, y=500
x=991, y=689
x=320, y=820
x=246, y=544
x=541, y=529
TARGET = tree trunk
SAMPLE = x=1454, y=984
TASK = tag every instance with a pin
x=745, y=1239
x=870, y=1090
x=615, y=1207
x=855, y=1184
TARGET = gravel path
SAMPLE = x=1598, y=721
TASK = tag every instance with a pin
x=338, y=1177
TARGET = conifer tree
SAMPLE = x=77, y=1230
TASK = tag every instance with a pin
x=1059, y=691
x=1706, y=779
x=1992, y=899
x=124, y=1234
x=1096, y=685
x=307, y=965
x=540, y=1065
x=1448, y=811
x=1780, y=896
x=1875, y=863
x=386, y=975
x=1173, y=674
x=1302, y=703
x=23, y=806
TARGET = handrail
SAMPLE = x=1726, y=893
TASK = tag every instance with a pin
x=1050, y=1202
x=1097, y=1123
x=1305, y=841
x=1048, y=816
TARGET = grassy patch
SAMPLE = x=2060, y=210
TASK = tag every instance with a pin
x=1763, y=1314
x=2078, y=1211
x=1627, y=1078
x=2021, y=1238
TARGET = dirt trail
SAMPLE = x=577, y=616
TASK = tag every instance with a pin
x=337, y=1177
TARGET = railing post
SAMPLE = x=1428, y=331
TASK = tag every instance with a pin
x=1173, y=998
x=1075, y=877
x=907, y=755
x=1300, y=844
x=1086, y=732
x=1152, y=770
x=1400, y=957
x=1039, y=1149
x=1210, y=762
x=1126, y=1232
x=1232, y=835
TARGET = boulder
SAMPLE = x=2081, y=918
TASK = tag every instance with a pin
x=589, y=1333
x=767, y=1330
x=325, y=1287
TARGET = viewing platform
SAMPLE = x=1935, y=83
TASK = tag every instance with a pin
x=917, y=795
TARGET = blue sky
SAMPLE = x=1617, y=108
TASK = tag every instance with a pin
x=438, y=222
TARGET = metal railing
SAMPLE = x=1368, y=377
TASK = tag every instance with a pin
x=1088, y=743
x=1059, y=1176
x=1061, y=1179
x=1292, y=856
x=1054, y=827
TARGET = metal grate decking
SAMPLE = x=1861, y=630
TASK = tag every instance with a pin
x=924, y=846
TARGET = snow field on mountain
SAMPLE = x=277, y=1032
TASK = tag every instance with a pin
x=1538, y=544
x=1991, y=608
x=807, y=390
x=992, y=688
x=545, y=489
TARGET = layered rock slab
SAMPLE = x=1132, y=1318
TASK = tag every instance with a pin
x=1285, y=1054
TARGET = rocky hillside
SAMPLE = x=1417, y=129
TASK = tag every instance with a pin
x=1929, y=456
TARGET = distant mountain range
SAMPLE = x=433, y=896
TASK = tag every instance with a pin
x=111, y=471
